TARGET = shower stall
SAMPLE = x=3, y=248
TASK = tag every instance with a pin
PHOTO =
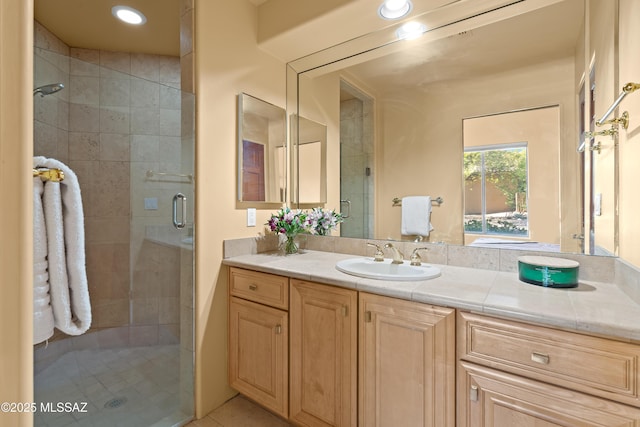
x=121, y=122
x=356, y=162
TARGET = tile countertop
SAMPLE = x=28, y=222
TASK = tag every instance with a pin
x=592, y=307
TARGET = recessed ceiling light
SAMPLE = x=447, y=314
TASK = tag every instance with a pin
x=128, y=15
x=411, y=30
x=394, y=9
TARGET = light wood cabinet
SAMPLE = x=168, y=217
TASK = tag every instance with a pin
x=517, y=374
x=407, y=363
x=491, y=398
x=258, y=340
x=322, y=356
x=592, y=365
x=323, y=349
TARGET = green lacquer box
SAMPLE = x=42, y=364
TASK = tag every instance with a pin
x=548, y=271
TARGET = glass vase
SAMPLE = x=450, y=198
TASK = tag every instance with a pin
x=290, y=246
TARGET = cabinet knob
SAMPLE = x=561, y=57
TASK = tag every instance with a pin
x=253, y=287
x=278, y=329
x=540, y=358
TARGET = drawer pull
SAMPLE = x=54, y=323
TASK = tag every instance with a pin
x=473, y=393
x=540, y=358
x=278, y=329
x=367, y=316
x=253, y=287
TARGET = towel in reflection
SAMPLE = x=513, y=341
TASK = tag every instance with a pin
x=416, y=216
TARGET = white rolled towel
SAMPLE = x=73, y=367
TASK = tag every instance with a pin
x=43, y=322
x=64, y=221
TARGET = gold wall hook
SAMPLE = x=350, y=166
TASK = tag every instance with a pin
x=53, y=175
x=608, y=132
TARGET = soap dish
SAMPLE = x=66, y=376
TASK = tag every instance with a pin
x=548, y=271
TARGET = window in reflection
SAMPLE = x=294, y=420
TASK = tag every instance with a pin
x=496, y=190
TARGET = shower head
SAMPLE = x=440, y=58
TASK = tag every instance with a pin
x=48, y=89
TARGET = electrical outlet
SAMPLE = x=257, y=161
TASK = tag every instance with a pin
x=251, y=217
x=151, y=203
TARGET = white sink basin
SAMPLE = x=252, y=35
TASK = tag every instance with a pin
x=385, y=270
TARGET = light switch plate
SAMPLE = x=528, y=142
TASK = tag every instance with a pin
x=597, y=205
x=251, y=217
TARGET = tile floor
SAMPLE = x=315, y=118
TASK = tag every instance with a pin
x=239, y=412
x=121, y=387
x=139, y=375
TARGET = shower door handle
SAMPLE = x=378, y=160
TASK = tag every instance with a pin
x=179, y=224
x=348, y=203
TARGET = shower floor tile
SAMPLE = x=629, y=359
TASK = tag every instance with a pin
x=120, y=387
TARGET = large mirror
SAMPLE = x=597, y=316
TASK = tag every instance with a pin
x=396, y=110
x=261, y=151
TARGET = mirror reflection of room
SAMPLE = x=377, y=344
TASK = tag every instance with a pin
x=422, y=90
x=261, y=151
x=511, y=179
x=309, y=154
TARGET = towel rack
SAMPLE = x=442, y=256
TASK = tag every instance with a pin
x=398, y=202
x=53, y=175
x=626, y=89
x=151, y=174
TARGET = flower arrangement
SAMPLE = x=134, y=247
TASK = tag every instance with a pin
x=322, y=222
x=293, y=222
x=290, y=223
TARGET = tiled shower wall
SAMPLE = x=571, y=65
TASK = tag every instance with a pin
x=118, y=117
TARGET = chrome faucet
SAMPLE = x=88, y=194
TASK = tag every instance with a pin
x=397, y=255
x=379, y=255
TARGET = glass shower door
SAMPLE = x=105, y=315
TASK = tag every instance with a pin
x=125, y=128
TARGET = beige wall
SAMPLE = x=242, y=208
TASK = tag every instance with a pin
x=228, y=62
x=16, y=134
x=630, y=139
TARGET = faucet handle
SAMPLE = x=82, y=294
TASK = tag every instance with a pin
x=379, y=255
x=415, y=257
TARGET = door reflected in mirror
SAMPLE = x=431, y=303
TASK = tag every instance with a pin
x=261, y=151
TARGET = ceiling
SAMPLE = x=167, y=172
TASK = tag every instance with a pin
x=544, y=34
x=89, y=24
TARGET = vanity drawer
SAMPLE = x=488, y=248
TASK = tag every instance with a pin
x=589, y=364
x=263, y=288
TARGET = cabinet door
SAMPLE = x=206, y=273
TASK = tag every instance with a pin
x=407, y=363
x=258, y=353
x=323, y=355
x=490, y=398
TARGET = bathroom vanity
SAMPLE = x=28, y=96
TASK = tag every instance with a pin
x=323, y=348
